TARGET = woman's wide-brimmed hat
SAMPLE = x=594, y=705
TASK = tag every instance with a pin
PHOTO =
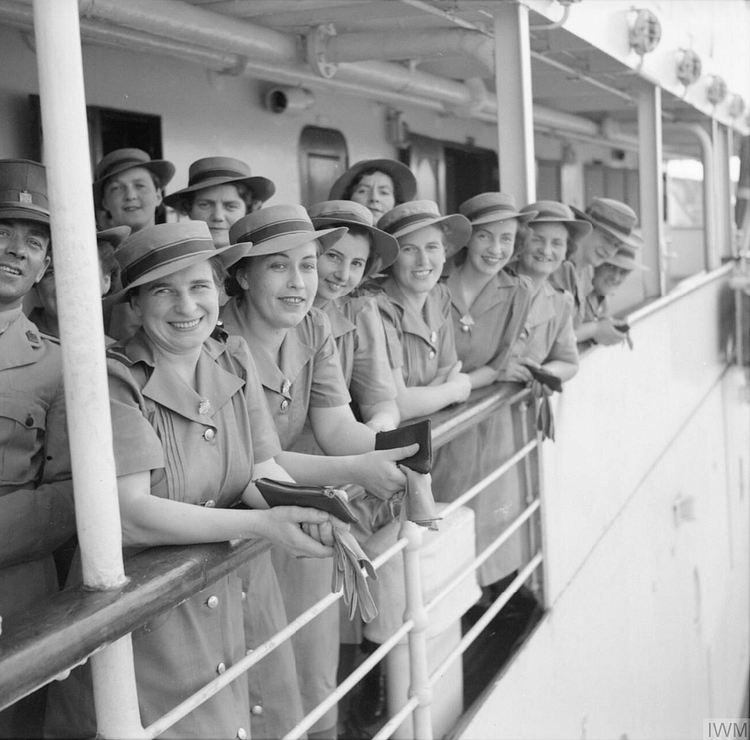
x=487, y=208
x=552, y=211
x=126, y=159
x=278, y=229
x=114, y=236
x=23, y=190
x=627, y=257
x=349, y=213
x=417, y=214
x=161, y=250
x=212, y=171
x=401, y=175
x=612, y=216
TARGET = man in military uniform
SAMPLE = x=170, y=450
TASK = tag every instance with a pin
x=36, y=492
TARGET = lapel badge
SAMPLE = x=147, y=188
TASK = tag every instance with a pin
x=33, y=337
x=285, y=386
x=466, y=322
x=204, y=407
x=433, y=337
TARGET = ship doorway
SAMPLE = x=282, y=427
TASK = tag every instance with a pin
x=448, y=173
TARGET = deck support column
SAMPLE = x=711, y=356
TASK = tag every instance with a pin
x=723, y=198
x=66, y=153
x=650, y=170
x=515, y=122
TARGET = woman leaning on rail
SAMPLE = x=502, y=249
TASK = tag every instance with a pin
x=546, y=342
x=272, y=291
x=191, y=431
x=488, y=310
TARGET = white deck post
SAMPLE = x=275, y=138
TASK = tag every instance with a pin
x=63, y=104
x=723, y=198
x=650, y=169
x=515, y=121
x=419, y=673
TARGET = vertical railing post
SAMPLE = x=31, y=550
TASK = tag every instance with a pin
x=529, y=497
x=419, y=673
x=63, y=104
x=650, y=170
x=515, y=123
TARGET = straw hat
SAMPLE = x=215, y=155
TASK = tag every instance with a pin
x=614, y=217
x=627, y=258
x=401, y=175
x=114, y=236
x=347, y=212
x=23, y=190
x=121, y=160
x=416, y=214
x=552, y=211
x=278, y=229
x=164, y=249
x=486, y=208
x=211, y=171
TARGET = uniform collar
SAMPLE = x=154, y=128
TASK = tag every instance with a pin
x=493, y=293
x=424, y=324
x=216, y=386
x=340, y=325
x=542, y=309
x=22, y=343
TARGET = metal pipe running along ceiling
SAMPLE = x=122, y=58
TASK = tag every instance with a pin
x=180, y=30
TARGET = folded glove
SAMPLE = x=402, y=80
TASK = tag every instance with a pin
x=545, y=420
x=348, y=561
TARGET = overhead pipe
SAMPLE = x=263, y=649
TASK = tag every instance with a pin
x=388, y=82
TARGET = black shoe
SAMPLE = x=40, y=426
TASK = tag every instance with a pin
x=372, y=704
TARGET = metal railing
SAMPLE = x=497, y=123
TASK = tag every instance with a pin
x=46, y=641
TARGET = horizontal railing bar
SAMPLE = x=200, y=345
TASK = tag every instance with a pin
x=233, y=672
x=48, y=638
x=350, y=681
x=485, y=554
x=476, y=489
x=392, y=724
x=486, y=618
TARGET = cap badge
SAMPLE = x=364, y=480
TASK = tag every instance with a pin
x=24, y=197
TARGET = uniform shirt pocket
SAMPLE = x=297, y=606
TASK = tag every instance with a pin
x=22, y=426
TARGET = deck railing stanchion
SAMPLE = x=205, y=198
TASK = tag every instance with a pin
x=63, y=104
x=528, y=480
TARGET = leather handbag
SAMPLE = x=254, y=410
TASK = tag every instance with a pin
x=332, y=500
x=420, y=432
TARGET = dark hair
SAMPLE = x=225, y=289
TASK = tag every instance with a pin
x=110, y=266
x=398, y=193
x=184, y=203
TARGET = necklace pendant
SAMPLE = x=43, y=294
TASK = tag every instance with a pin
x=204, y=407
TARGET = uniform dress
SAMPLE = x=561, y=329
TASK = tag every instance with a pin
x=420, y=344
x=200, y=447
x=36, y=491
x=547, y=335
x=308, y=376
x=485, y=335
x=595, y=307
x=578, y=283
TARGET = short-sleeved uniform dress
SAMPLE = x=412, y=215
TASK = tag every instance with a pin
x=547, y=335
x=485, y=335
x=595, y=307
x=420, y=344
x=576, y=282
x=36, y=491
x=200, y=447
x=308, y=375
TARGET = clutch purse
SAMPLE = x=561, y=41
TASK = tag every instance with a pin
x=546, y=378
x=326, y=498
x=419, y=432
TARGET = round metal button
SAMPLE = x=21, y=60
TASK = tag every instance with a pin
x=242, y=733
x=212, y=602
x=210, y=504
x=244, y=595
x=29, y=421
x=257, y=710
x=284, y=405
x=209, y=434
x=432, y=354
x=464, y=328
x=220, y=668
